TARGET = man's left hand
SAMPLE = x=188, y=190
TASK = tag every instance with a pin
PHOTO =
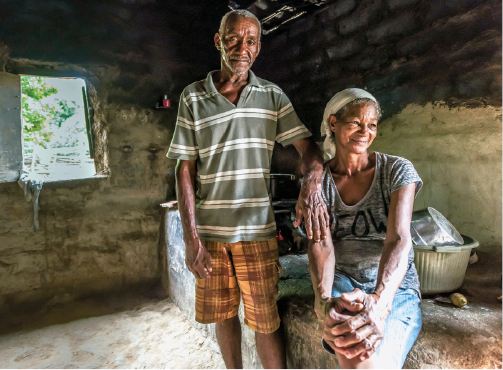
x=313, y=210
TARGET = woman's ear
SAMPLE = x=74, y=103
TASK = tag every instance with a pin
x=331, y=122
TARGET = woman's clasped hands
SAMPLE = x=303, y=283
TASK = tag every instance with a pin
x=354, y=324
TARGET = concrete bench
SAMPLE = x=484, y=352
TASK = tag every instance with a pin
x=451, y=337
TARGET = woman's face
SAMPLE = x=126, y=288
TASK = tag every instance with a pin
x=356, y=130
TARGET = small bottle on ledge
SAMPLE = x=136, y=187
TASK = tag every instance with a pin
x=166, y=103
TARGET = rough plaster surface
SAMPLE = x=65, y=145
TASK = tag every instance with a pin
x=457, y=153
x=450, y=337
x=409, y=54
x=94, y=235
x=105, y=234
x=151, y=335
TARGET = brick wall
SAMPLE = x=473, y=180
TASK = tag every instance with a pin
x=402, y=51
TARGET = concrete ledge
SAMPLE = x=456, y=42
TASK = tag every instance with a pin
x=451, y=337
x=73, y=183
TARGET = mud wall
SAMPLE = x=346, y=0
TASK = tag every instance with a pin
x=434, y=66
x=101, y=233
x=427, y=62
x=457, y=153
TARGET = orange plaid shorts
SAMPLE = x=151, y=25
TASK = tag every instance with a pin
x=246, y=269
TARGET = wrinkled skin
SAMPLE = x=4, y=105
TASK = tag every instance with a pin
x=310, y=206
x=355, y=331
x=239, y=45
x=197, y=258
x=354, y=317
x=357, y=130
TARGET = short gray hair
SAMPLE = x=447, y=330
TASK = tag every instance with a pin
x=242, y=13
x=341, y=112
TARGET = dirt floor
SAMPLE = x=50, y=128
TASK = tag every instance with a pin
x=153, y=334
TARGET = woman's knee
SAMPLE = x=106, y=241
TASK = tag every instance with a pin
x=341, y=285
x=355, y=363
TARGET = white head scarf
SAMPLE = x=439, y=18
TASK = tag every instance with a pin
x=338, y=101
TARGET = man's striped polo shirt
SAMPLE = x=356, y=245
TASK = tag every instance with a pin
x=232, y=146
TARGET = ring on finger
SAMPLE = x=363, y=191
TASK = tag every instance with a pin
x=368, y=343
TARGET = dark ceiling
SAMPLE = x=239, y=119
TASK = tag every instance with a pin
x=275, y=13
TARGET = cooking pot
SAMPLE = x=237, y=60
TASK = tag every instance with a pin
x=284, y=186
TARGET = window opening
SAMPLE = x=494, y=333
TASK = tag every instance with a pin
x=55, y=128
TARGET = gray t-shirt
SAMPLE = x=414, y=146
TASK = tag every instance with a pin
x=358, y=231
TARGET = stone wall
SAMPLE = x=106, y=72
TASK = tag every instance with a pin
x=103, y=233
x=435, y=67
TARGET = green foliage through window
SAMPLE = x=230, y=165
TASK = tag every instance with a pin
x=44, y=113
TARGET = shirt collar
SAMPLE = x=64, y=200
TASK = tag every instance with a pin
x=210, y=86
x=253, y=79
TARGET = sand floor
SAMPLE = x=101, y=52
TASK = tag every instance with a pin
x=154, y=335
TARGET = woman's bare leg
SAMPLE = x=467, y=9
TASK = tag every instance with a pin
x=355, y=363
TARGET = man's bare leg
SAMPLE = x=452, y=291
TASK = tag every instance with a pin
x=229, y=341
x=271, y=350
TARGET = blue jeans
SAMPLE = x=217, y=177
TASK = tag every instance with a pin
x=402, y=326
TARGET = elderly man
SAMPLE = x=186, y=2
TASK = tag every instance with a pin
x=226, y=128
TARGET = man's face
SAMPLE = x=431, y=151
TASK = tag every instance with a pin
x=239, y=45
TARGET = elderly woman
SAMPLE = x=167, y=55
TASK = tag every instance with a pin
x=366, y=284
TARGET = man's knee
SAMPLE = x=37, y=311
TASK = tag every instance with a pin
x=231, y=321
x=268, y=335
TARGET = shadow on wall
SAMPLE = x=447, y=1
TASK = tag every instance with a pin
x=457, y=153
x=403, y=52
x=435, y=67
x=105, y=234
x=94, y=235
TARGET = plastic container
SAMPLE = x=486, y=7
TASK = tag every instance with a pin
x=430, y=227
x=442, y=269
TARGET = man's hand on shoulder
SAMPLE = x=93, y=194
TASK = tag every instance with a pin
x=313, y=210
x=310, y=205
x=197, y=258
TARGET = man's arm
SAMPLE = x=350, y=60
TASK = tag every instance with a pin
x=310, y=205
x=197, y=258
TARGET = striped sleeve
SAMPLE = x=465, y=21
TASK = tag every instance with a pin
x=289, y=127
x=184, y=144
